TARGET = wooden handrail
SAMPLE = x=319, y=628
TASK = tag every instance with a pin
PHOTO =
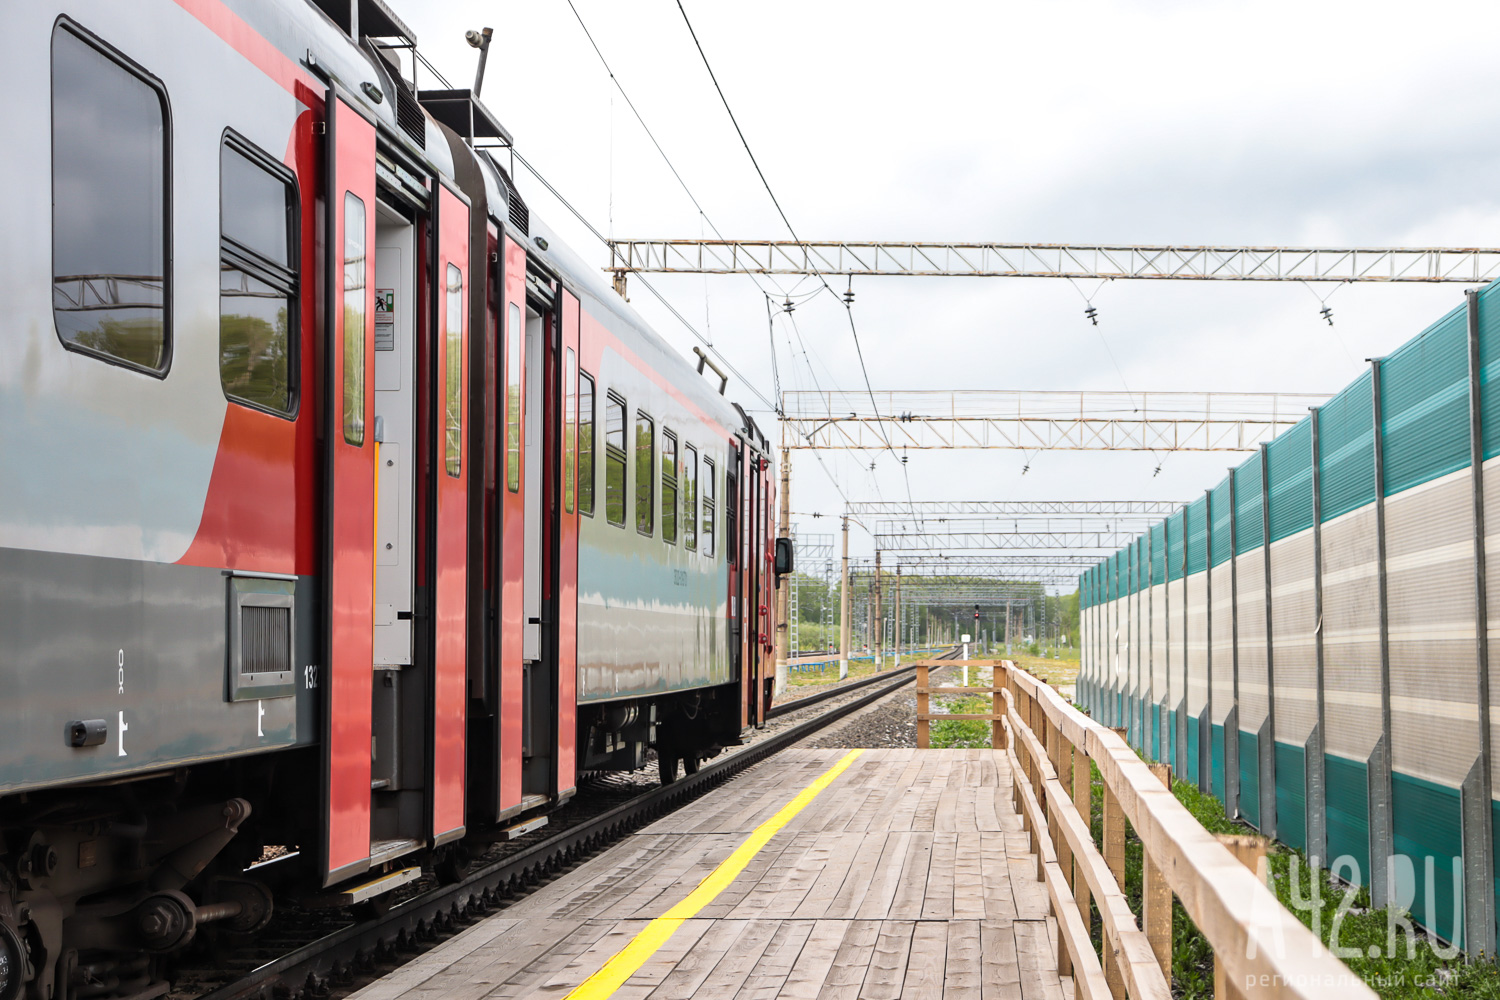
x=1260, y=949
x=924, y=690
x=1131, y=951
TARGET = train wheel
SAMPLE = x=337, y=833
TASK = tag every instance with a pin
x=667, y=765
x=690, y=763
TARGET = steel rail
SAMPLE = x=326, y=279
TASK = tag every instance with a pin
x=835, y=690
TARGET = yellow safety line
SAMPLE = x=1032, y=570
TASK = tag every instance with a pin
x=630, y=958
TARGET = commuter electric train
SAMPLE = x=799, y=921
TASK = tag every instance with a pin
x=346, y=516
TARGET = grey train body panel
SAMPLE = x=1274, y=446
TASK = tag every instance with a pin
x=105, y=470
x=653, y=618
x=139, y=644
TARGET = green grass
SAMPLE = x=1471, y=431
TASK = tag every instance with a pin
x=951, y=734
x=829, y=673
x=948, y=734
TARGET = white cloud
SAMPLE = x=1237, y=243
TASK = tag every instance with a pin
x=1280, y=122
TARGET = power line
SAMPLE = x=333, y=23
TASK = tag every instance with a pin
x=661, y=298
x=665, y=158
x=848, y=306
x=635, y=111
x=776, y=406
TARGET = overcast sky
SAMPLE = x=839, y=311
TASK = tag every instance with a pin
x=1298, y=123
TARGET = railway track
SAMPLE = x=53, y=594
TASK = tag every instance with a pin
x=344, y=959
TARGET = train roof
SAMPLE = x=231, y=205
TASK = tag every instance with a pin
x=349, y=41
x=600, y=300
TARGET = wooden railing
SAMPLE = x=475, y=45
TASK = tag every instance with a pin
x=1260, y=949
x=925, y=717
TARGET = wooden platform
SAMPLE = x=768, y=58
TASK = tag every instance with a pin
x=907, y=876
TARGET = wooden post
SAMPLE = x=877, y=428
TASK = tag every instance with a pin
x=1064, y=775
x=1114, y=856
x=1083, y=802
x=922, y=736
x=1248, y=849
x=1064, y=960
x=1156, y=897
x=997, y=708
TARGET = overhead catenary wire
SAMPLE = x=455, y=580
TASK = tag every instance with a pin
x=706, y=341
x=646, y=284
x=1327, y=313
x=848, y=306
x=673, y=309
x=776, y=407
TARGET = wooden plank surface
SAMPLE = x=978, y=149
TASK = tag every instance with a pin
x=908, y=877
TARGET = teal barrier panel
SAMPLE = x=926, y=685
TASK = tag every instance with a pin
x=1192, y=750
x=1216, y=749
x=1291, y=795
x=1346, y=441
x=1428, y=825
x=1489, y=373
x=1495, y=840
x=1348, y=792
x=1424, y=401
x=1172, y=739
x=1424, y=437
x=1249, y=778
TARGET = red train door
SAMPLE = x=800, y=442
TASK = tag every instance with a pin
x=768, y=582
x=567, y=589
x=450, y=473
x=511, y=434
x=734, y=556
x=349, y=491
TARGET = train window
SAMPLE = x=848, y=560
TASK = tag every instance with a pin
x=513, y=335
x=585, y=443
x=257, y=277
x=570, y=430
x=110, y=205
x=731, y=512
x=689, y=497
x=354, y=319
x=645, y=449
x=708, y=507
x=453, y=376
x=668, y=487
x=614, y=460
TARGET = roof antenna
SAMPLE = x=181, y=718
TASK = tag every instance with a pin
x=481, y=41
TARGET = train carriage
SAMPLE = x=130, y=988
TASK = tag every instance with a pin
x=343, y=509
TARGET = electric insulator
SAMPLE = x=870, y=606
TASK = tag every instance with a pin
x=1092, y=314
x=1327, y=313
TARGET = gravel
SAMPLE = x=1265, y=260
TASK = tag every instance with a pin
x=888, y=723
